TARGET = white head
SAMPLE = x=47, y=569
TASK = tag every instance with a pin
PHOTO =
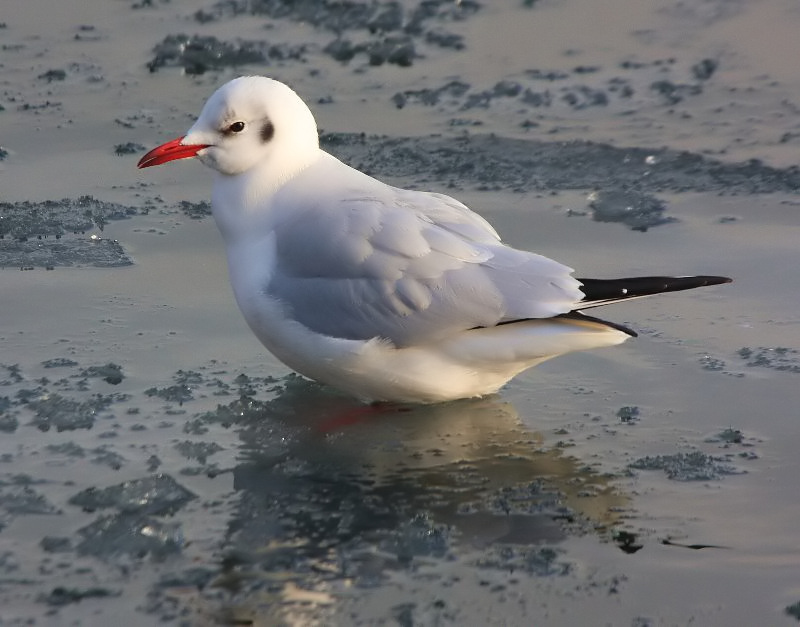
x=250, y=121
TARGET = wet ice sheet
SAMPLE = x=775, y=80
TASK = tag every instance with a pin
x=317, y=516
x=524, y=507
x=304, y=498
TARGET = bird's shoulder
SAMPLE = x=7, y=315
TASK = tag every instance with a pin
x=340, y=220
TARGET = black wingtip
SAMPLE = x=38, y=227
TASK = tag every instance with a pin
x=717, y=280
x=602, y=291
x=708, y=280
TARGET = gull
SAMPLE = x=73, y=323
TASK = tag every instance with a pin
x=385, y=293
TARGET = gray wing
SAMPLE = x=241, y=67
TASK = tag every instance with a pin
x=409, y=267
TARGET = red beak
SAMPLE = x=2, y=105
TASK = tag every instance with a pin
x=170, y=151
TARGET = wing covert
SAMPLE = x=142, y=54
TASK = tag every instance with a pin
x=409, y=267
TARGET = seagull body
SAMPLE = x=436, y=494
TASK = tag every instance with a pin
x=385, y=293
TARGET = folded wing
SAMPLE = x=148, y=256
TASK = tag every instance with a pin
x=409, y=267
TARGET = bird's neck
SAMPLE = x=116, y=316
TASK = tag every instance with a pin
x=242, y=203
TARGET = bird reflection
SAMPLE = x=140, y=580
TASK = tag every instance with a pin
x=397, y=485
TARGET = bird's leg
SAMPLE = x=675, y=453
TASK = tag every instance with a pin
x=355, y=415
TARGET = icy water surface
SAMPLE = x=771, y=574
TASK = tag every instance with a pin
x=158, y=466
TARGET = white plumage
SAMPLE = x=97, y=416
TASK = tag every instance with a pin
x=386, y=293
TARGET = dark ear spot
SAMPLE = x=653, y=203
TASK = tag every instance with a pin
x=267, y=131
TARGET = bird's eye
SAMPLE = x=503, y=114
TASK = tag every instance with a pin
x=236, y=127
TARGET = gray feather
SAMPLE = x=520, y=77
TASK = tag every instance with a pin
x=409, y=267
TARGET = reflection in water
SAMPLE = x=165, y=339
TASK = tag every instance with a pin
x=350, y=504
